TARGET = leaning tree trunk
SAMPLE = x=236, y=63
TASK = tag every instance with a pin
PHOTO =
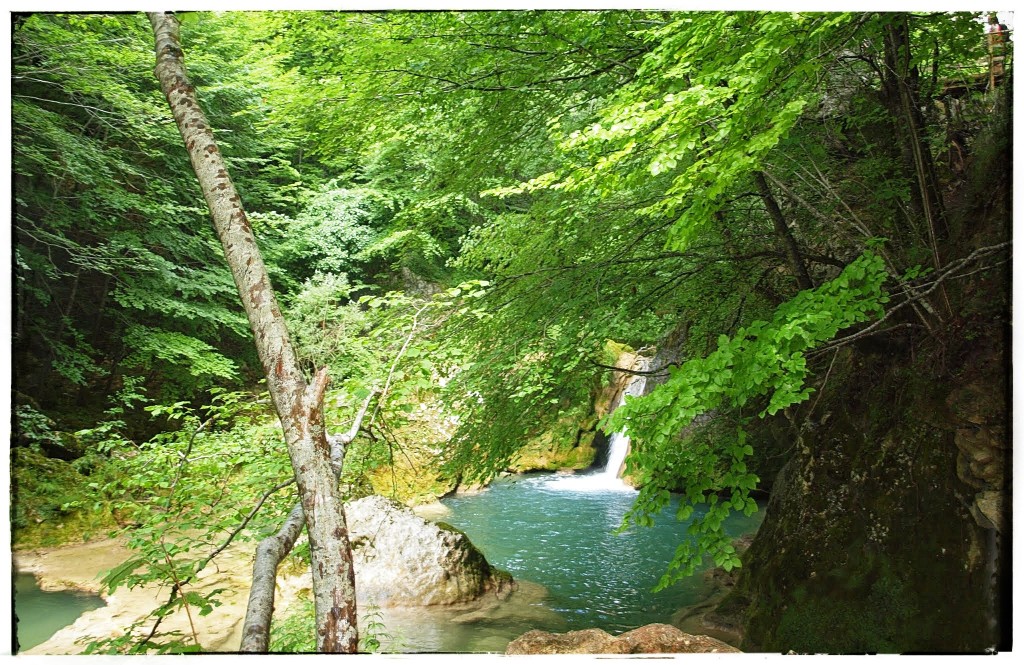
x=299, y=405
x=782, y=233
x=902, y=96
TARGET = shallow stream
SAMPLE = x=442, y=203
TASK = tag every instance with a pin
x=556, y=534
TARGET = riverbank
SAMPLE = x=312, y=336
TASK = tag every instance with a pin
x=81, y=566
x=535, y=543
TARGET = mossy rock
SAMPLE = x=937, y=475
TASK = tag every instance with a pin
x=410, y=484
x=52, y=502
x=868, y=544
x=567, y=444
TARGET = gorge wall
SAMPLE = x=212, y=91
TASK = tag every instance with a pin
x=888, y=525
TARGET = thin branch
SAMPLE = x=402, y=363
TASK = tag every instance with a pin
x=821, y=389
x=348, y=436
x=210, y=557
x=245, y=521
x=636, y=372
x=949, y=272
x=54, y=101
x=184, y=600
x=188, y=450
x=338, y=442
x=857, y=224
x=394, y=364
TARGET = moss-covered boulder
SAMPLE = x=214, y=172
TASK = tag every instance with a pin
x=568, y=444
x=878, y=536
x=53, y=500
x=574, y=441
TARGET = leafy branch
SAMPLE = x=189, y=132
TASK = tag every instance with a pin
x=766, y=358
x=951, y=271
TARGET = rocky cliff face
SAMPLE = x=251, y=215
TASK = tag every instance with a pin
x=870, y=544
x=885, y=530
x=574, y=441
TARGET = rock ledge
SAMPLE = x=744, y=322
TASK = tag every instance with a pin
x=652, y=638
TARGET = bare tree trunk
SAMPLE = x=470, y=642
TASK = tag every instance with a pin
x=299, y=405
x=783, y=234
x=901, y=88
x=273, y=549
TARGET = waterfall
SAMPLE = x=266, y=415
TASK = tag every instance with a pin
x=608, y=478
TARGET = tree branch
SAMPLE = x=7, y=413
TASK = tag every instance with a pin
x=272, y=550
x=269, y=554
x=783, y=235
x=948, y=273
x=188, y=450
x=338, y=442
x=212, y=555
x=636, y=372
x=394, y=365
x=857, y=224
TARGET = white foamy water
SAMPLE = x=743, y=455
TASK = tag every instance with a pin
x=606, y=480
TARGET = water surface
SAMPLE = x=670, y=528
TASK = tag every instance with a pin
x=558, y=533
x=565, y=539
x=40, y=613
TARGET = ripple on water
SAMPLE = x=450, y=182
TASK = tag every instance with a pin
x=560, y=531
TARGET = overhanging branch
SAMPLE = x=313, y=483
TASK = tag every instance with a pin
x=951, y=271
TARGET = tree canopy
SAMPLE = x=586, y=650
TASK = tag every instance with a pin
x=462, y=209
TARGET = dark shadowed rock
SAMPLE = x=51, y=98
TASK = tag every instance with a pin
x=653, y=638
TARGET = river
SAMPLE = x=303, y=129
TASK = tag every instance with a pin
x=41, y=613
x=559, y=533
x=556, y=534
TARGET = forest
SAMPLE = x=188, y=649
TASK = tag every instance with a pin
x=455, y=254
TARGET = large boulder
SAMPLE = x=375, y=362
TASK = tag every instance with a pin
x=653, y=638
x=401, y=559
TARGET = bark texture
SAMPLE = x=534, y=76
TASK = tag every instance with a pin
x=273, y=549
x=299, y=405
x=901, y=89
x=783, y=234
x=269, y=554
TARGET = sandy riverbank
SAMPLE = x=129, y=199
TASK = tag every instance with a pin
x=81, y=566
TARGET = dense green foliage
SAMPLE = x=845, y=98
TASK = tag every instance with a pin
x=461, y=210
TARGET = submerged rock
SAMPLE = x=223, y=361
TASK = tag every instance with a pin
x=432, y=511
x=653, y=638
x=401, y=559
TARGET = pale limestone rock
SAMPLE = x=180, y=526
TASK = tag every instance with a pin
x=403, y=560
x=653, y=638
